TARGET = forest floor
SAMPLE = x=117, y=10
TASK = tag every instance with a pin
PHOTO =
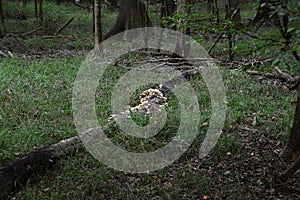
x=36, y=111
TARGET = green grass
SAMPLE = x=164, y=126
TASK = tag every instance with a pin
x=36, y=110
x=46, y=84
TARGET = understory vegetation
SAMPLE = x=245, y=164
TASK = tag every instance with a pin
x=37, y=75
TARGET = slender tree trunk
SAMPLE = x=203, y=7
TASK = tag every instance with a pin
x=217, y=14
x=231, y=6
x=2, y=18
x=168, y=7
x=98, y=24
x=35, y=9
x=182, y=47
x=41, y=14
x=132, y=14
x=24, y=3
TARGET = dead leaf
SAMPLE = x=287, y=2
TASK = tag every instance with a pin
x=36, y=112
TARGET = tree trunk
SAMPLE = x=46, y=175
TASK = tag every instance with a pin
x=35, y=9
x=98, y=24
x=231, y=6
x=132, y=14
x=2, y=18
x=210, y=7
x=293, y=144
x=217, y=14
x=24, y=3
x=41, y=14
x=182, y=47
x=168, y=7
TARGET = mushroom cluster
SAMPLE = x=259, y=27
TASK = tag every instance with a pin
x=150, y=98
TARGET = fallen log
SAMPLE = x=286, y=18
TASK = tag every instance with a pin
x=16, y=174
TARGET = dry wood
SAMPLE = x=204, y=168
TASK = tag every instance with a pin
x=252, y=72
x=31, y=32
x=291, y=82
x=63, y=26
x=57, y=37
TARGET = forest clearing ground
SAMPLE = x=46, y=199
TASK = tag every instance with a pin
x=36, y=111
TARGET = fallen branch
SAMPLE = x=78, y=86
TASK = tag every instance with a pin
x=290, y=81
x=63, y=26
x=57, y=37
x=31, y=32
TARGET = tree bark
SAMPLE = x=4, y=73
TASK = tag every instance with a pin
x=168, y=7
x=35, y=9
x=292, y=147
x=2, y=18
x=231, y=6
x=98, y=24
x=41, y=14
x=16, y=174
x=132, y=14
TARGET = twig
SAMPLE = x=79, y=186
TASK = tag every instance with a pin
x=179, y=59
x=57, y=37
x=259, y=38
x=63, y=26
x=31, y=32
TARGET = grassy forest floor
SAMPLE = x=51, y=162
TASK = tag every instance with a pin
x=36, y=111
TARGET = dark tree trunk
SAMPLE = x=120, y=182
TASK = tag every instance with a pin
x=35, y=9
x=24, y=3
x=132, y=14
x=98, y=24
x=217, y=14
x=168, y=8
x=2, y=18
x=293, y=144
x=210, y=7
x=231, y=6
x=41, y=14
